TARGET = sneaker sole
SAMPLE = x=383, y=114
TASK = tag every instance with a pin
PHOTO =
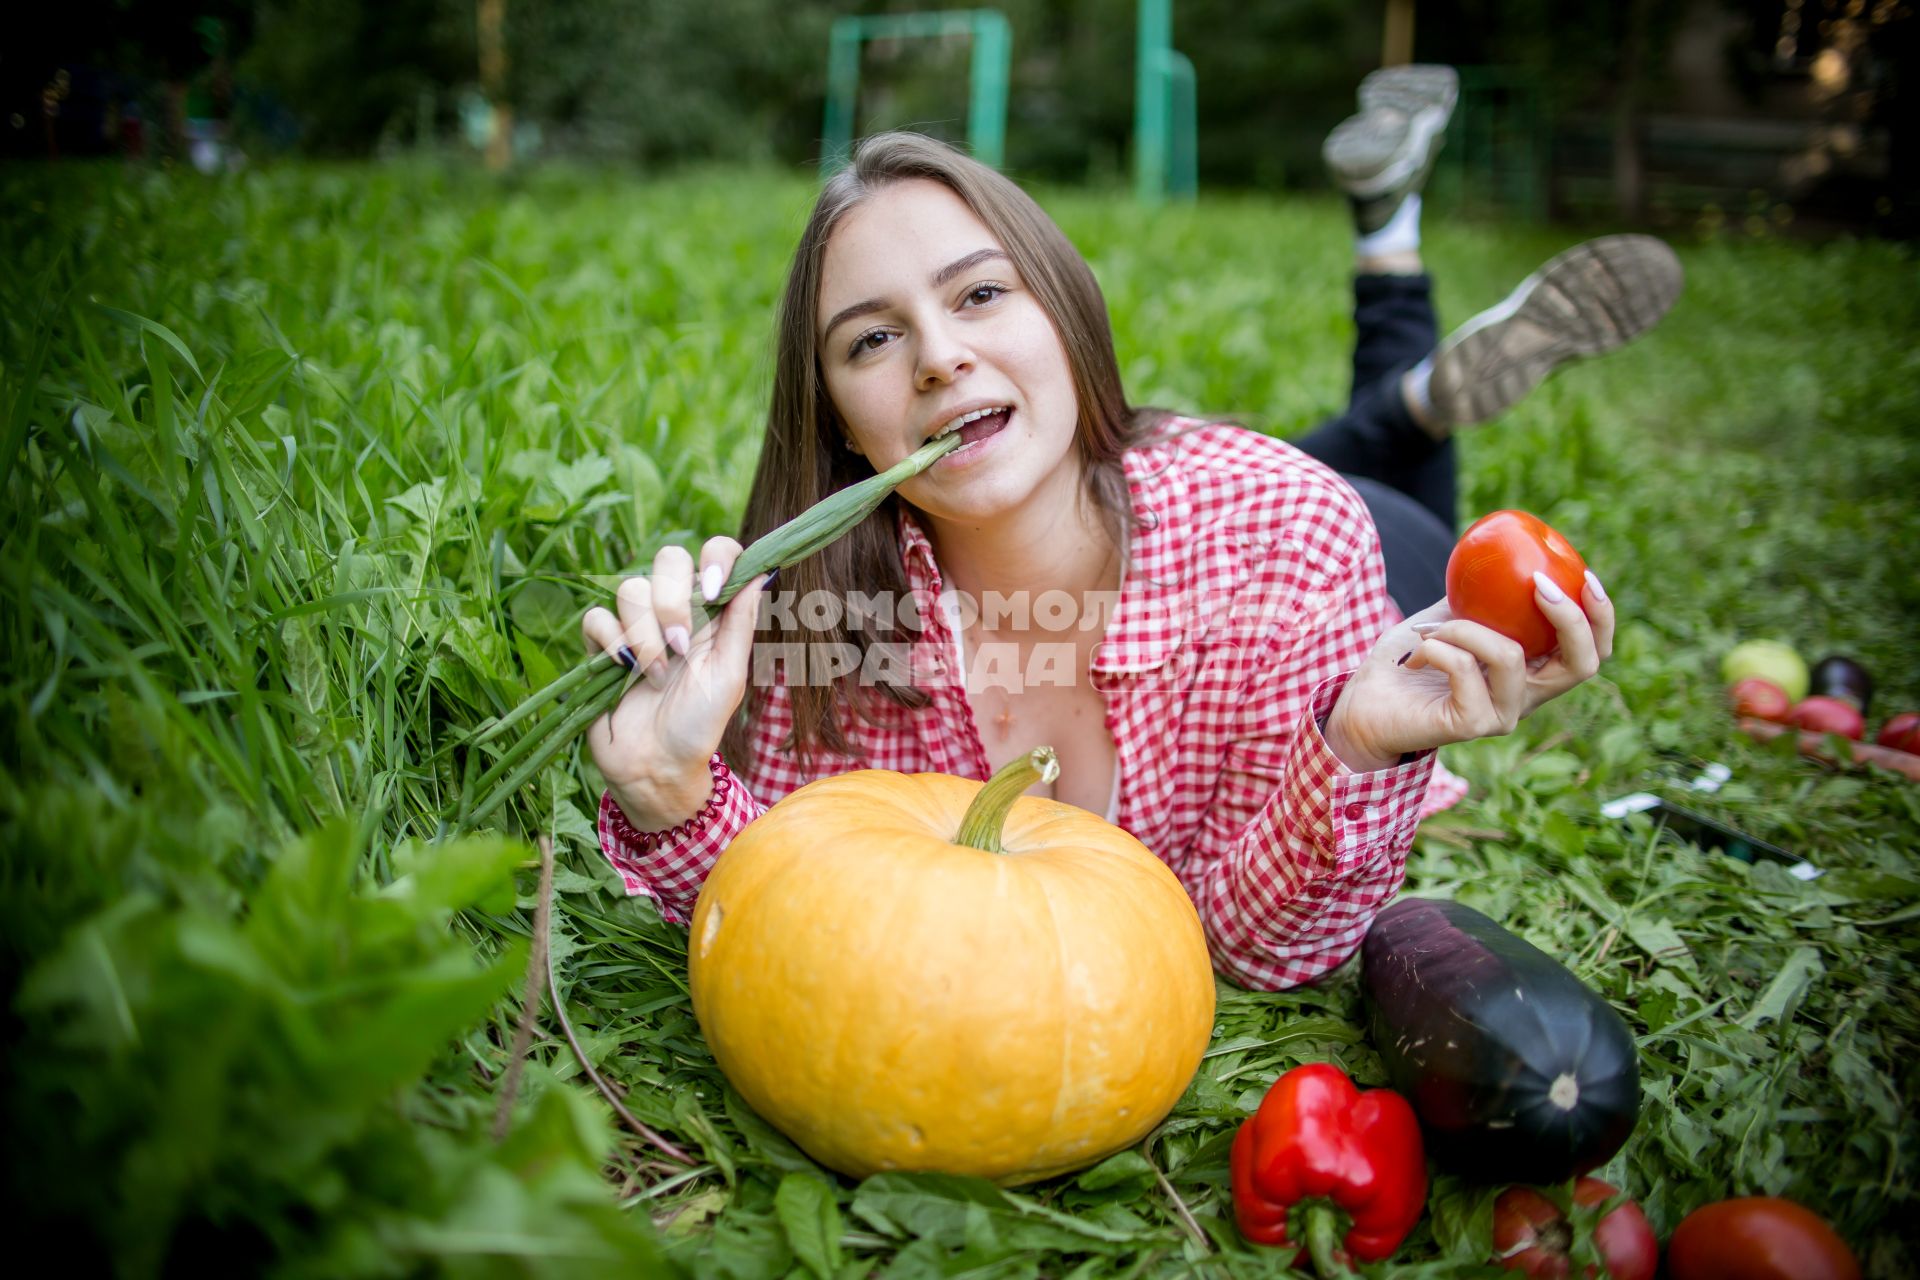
x=1593, y=298
x=1409, y=88
x=1378, y=151
x=1362, y=145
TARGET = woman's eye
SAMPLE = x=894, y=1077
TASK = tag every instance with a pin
x=982, y=294
x=870, y=341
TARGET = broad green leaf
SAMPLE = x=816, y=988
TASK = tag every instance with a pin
x=577, y=479
x=938, y=1205
x=1788, y=987
x=425, y=501
x=811, y=1219
x=547, y=611
x=435, y=879
x=1125, y=1168
x=1658, y=938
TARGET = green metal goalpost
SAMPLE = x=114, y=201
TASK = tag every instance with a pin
x=987, y=80
x=1165, y=148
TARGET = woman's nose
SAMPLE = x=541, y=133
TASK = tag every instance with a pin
x=944, y=356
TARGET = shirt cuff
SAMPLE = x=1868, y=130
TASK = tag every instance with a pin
x=670, y=866
x=1352, y=818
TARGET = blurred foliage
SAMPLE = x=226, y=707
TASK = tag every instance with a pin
x=723, y=79
x=354, y=73
x=677, y=80
x=654, y=82
x=747, y=78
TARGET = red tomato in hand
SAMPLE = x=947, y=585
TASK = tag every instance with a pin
x=1761, y=699
x=1758, y=1238
x=1902, y=733
x=1829, y=715
x=1530, y=1235
x=1490, y=576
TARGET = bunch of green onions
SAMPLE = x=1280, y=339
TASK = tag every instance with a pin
x=592, y=689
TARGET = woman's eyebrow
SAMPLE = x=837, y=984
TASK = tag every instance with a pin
x=967, y=263
x=853, y=312
x=940, y=277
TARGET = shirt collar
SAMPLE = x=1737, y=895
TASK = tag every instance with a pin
x=1146, y=627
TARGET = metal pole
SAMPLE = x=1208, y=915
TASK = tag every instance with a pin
x=843, y=90
x=990, y=72
x=1150, y=100
x=1183, y=140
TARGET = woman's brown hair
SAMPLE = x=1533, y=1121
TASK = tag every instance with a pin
x=803, y=458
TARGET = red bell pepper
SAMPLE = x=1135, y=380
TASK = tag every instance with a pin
x=1315, y=1142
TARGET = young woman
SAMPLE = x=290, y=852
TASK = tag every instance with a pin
x=1192, y=614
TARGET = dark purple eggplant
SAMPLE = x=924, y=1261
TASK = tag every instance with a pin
x=1840, y=677
x=1518, y=1072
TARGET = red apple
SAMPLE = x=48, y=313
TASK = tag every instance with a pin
x=1829, y=715
x=1530, y=1235
x=1761, y=699
x=1902, y=733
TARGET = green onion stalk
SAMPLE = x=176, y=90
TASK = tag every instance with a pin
x=591, y=689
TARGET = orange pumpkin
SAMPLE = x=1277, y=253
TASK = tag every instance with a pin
x=926, y=972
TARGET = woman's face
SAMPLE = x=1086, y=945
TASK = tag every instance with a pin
x=923, y=320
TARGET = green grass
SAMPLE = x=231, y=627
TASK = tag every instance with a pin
x=382, y=434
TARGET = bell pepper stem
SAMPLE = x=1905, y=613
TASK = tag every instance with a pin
x=1323, y=1243
x=986, y=817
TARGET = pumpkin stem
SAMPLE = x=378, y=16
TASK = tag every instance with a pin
x=987, y=815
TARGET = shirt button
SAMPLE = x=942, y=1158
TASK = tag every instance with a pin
x=1354, y=812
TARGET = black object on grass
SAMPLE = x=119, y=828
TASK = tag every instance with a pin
x=1836, y=676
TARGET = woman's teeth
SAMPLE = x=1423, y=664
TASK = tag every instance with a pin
x=964, y=419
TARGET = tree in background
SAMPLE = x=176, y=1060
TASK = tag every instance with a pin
x=684, y=79
x=352, y=72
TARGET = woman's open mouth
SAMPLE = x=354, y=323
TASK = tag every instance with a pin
x=974, y=428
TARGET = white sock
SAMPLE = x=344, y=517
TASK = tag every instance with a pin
x=1400, y=235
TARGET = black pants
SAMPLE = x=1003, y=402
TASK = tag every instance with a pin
x=1404, y=475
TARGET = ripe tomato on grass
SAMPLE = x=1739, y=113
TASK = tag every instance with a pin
x=1761, y=699
x=1902, y=733
x=1828, y=715
x=1758, y=1238
x=1490, y=576
x=1530, y=1235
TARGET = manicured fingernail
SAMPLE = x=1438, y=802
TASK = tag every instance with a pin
x=677, y=639
x=1593, y=585
x=1425, y=629
x=1403, y=658
x=624, y=656
x=657, y=673
x=768, y=580
x=712, y=578
x=1549, y=589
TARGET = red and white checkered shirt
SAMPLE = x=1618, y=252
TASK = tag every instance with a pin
x=1253, y=593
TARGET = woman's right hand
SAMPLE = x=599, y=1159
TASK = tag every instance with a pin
x=653, y=747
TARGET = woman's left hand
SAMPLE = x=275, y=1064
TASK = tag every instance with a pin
x=1436, y=679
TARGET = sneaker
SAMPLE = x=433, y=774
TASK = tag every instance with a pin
x=1591, y=299
x=1382, y=155
x=1411, y=87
